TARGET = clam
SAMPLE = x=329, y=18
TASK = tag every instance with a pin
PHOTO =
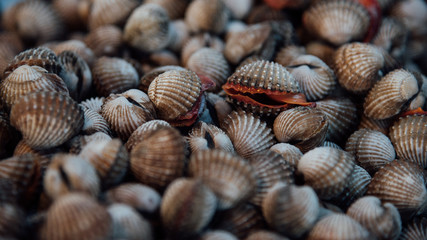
x=392, y=37
x=200, y=41
x=94, y=122
x=144, y=131
x=382, y=125
x=76, y=46
x=239, y=9
x=265, y=235
x=113, y=12
x=206, y=136
x=289, y=152
x=218, y=235
x=128, y=223
x=93, y=103
x=288, y=53
x=46, y=119
x=174, y=8
x=207, y=15
x=105, y=40
x=147, y=78
x=13, y=222
x=78, y=142
x=230, y=177
x=416, y=229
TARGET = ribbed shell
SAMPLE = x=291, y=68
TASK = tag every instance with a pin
x=151, y=75
x=316, y=79
x=388, y=97
x=77, y=46
x=337, y=21
x=415, y=230
x=128, y=223
x=403, y=184
x=93, y=103
x=208, y=136
x=106, y=12
x=187, y=207
x=144, y=131
x=392, y=36
x=377, y=125
x=105, y=40
x=357, y=66
x=327, y=170
x=113, y=75
x=174, y=93
x=69, y=11
x=371, y=148
x=207, y=15
x=409, y=137
x=289, y=152
x=304, y=127
x=321, y=50
x=383, y=220
x=356, y=187
x=160, y=158
x=218, y=235
x=336, y=227
x=147, y=28
x=199, y=41
x=64, y=219
x=248, y=133
x=291, y=210
x=46, y=119
x=136, y=195
x=288, y=53
x=174, y=8
x=94, y=122
x=230, y=177
x=265, y=235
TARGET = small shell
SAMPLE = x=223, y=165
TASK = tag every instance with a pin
x=207, y=15
x=383, y=220
x=337, y=22
x=64, y=219
x=230, y=177
x=392, y=37
x=265, y=235
x=70, y=173
x=94, y=122
x=302, y=126
x=415, y=230
x=338, y=226
x=248, y=133
x=128, y=223
x=291, y=210
x=316, y=79
x=174, y=8
x=111, y=12
x=93, y=103
x=408, y=135
x=200, y=41
x=389, y=96
x=207, y=136
x=289, y=152
x=181, y=195
x=371, y=148
x=46, y=119
x=160, y=158
x=147, y=28
x=403, y=184
x=139, y=196
x=327, y=170
x=78, y=47
x=113, y=75
x=144, y=131
x=105, y=40
x=218, y=235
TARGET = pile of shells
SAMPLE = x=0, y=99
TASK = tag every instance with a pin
x=213, y=119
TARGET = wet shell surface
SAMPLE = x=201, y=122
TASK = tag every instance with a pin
x=389, y=96
x=139, y=196
x=46, y=119
x=144, y=131
x=248, y=133
x=207, y=15
x=207, y=136
x=128, y=223
x=110, y=12
x=105, y=40
x=409, y=136
x=230, y=177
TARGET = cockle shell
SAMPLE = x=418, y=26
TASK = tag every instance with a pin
x=207, y=15
x=383, y=220
x=94, y=122
x=179, y=35
x=206, y=136
x=389, y=96
x=181, y=195
x=321, y=50
x=338, y=21
x=326, y=170
x=304, y=127
x=265, y=235
x=144, y=131
x=139, y=196
x=13, y=222
x=64, y=219
x=128, y=223
x=46, y=119
x=147, y=78
x=68, y=10
x=77, y=46
x=77, y=143
x=288, y=53
x=105, y=40
x=377, y=125
x=371, y=148
x=248, y=133
x=291, y=210
x=316, y=79
x=160, y=158
x=200, y=41
x=392, y=37
x=416, y=229
x=218, y=235
x=289, y=152
x=240, y=8
x=113, y=75
x=174, y=8
x=93, y=103
x=408, y=135
x=229, y=176
x=70, y=173
x=110, y=12
x=147, y=28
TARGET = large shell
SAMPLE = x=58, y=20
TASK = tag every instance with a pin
x=230, y=177
x=357, y=66
x=105, y=40
x=144, y=131
x=148, y=28
x=403, y=184
x=383, y=220
x=389, y=96
x=128, y=223
x=46, y=119
x=289, y=152
x=291, y=210
x=110, y=12
x=371, y=148
x=113, y=75
x=136, y=195
x=160, y=158
x=327, y=170
x=207, y=15
x=409, y=137
x=181, y=195
x=248, y=133
x=304, y=127
x=205, y=136
x=338, y=21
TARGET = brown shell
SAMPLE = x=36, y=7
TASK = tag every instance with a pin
x=136, y=195
x=357, y=66
x=337, y=21
x=112, y=12
x=288, y=53
x=68, y=10
x=179, y=35
x=128, y=223
x=93, y=103
x=200, y=41
x=77, y=46
x=147, y=28
x=160, y=158
x=174, y=8
x=321, y=50
x=182, y=194
x=113, y=75
x=248, y=133
x=144, y=131
x=371, y=148
x=416, y=229
x=392, y=37
x=229, y=176
x=377, y=125
x=78, y=142
x=208, y=136
x=409, y=137
x=46, y=119
x=265, y=235
x=147, y=78
x=64, y=219
x=289, y=152
x=105, y=40
x=207, y=15
x=383, y=220
x=327, y=170
x=94, y=122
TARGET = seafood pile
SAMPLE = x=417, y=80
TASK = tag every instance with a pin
x=213, y=119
